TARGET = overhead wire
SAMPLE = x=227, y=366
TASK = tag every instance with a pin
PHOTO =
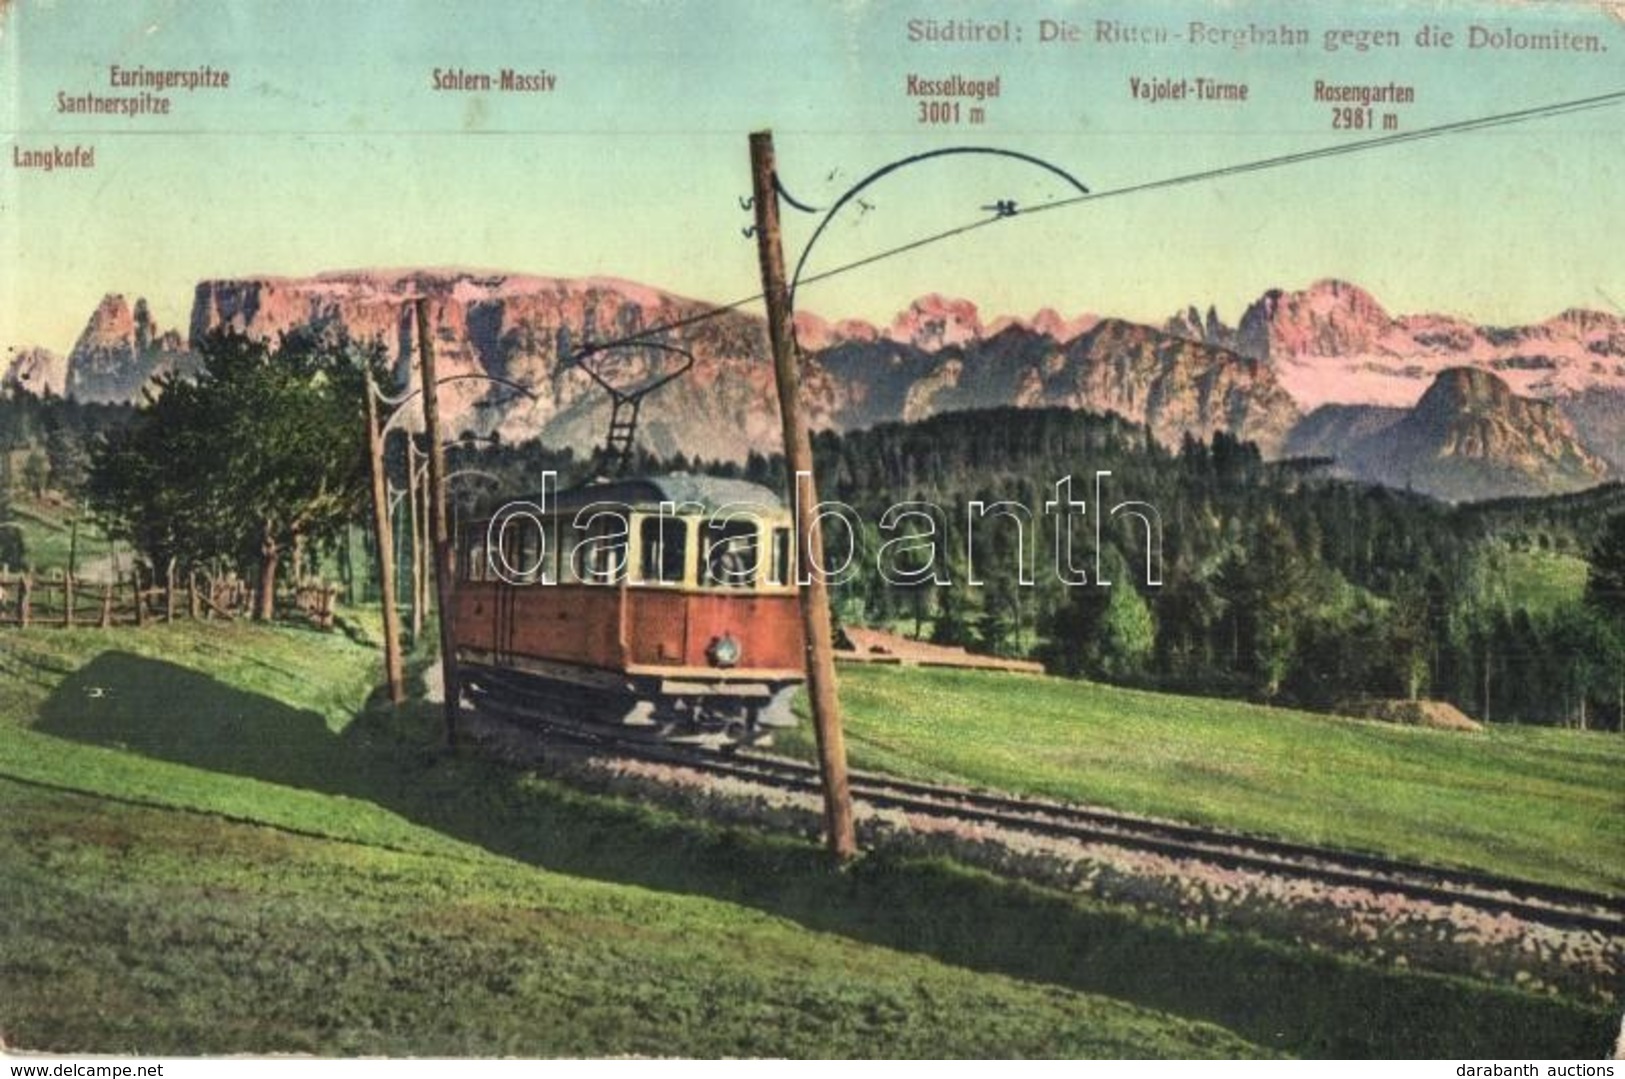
x=1482, y=123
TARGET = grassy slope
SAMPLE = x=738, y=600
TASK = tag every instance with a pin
x=48, y=536
x=138, y=928
x=1542, y=581
x=1538, y=803
x=477, y=910
x=142, y=930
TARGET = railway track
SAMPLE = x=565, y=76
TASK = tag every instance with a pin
x=1529, y=901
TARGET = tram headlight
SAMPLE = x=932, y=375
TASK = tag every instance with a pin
x=724, y=651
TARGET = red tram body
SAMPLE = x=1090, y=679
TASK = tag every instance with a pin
x=661, y=608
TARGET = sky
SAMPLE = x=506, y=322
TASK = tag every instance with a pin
x=331, y=149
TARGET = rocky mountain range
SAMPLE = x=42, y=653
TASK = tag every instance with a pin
x=935, y=356
x=119, y=352
x=36, y=370
x=1432, y=402
x=1333, y=344
x=526, y=330
x=1175, y=387
x=1469, y=437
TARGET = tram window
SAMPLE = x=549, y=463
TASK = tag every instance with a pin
x=524, y=557
x=548, y=572
x=730, y=554
x=663, y=547
x=571, y=558
x=782, y=565
x=519, y=540
x=600, y=557
x=529, y=541
x=511, y=558
x=474, y=562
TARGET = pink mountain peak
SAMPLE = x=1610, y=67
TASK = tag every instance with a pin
x=936, y=321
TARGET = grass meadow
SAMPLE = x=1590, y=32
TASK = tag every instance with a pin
x=1530, y=802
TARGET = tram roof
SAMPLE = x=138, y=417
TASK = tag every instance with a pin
x=708, y=492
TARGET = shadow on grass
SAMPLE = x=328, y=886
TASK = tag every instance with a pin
x=1280, y=997
x=169, y=712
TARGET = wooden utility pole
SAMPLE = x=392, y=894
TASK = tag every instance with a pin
x=443, y=567
x=386, y=552
x=815, y=619
x=420, y=594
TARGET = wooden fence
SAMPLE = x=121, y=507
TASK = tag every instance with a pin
x=30, y=599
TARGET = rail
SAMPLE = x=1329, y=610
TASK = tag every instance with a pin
x=1531, y=901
